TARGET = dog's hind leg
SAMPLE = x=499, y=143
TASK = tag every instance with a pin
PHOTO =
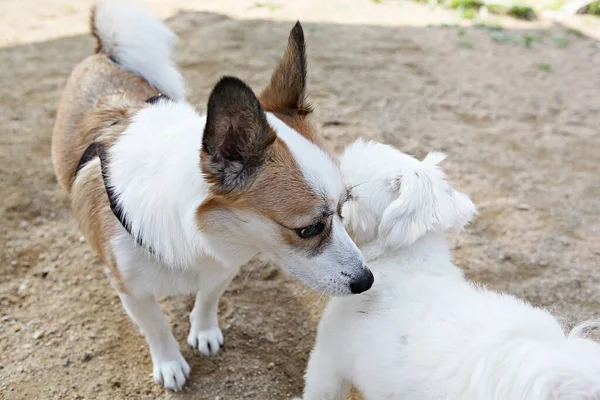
x=323, y=380
x=205, y=334
x=169, y=366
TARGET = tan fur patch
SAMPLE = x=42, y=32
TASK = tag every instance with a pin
x=97, y=104
x=279, y=192
x=286, y=91
x=93, y=29
x=96, y=220
x=91, y=80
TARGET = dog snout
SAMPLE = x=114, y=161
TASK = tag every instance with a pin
x=363, y=282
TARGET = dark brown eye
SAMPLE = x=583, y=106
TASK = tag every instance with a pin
x=311, y=231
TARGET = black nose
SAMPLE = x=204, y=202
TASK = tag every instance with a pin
x=363, y=282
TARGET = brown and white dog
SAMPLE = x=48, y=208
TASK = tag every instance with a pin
x=175, y=202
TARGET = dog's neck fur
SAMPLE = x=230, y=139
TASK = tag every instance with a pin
x=155, y=170
x=428, y=255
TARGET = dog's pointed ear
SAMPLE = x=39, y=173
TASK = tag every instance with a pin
x=237, y=137
x=286, y=92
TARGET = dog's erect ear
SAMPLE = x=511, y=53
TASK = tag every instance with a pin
x=286, y=92
x=425, y=203
x=237, y=136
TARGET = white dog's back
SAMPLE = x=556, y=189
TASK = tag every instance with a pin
x=435, y=338
x=423, y=332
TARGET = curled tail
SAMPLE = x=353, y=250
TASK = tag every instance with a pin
x=566, y=369
x=139, y=43
x=582, y=356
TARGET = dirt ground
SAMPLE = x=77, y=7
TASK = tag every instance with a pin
x=520, y=126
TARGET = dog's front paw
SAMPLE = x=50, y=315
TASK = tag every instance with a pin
x=172, y=374
x=208, y=341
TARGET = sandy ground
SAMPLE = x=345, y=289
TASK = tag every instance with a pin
x=520, y=126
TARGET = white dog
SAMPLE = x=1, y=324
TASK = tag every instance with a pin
x=423, y=332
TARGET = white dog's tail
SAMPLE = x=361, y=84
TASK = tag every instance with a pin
x=139, y=43
x=553, y=369
x=582, y=362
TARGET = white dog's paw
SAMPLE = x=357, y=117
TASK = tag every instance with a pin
x=172, y=374
x=208, y=341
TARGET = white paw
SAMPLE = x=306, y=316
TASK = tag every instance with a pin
x=208, y=341
x=172, y=374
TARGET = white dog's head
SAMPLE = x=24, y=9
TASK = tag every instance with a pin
x=397, y=199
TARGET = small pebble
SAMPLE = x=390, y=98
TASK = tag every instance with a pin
x=524, y=207
x=14, y=263
x=66, y=363
x=270, y=338
x=22, y=288
x=81, y=239
x=85, y=357
x=270, y=365
x=23, y=224
x=38, y=335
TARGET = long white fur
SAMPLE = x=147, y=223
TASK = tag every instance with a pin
x=140, y=43
x=423, y=332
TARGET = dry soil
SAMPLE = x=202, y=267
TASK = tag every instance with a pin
x=520, y=125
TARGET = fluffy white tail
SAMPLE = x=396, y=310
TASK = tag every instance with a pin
x=583, y=355
x=565, y=369
x=139, y=43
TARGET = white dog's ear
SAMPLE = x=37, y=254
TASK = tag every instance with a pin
x=425, y=203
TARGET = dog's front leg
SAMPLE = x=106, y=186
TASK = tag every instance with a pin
x=169, y=366
x=323, y=380
x=205, y=334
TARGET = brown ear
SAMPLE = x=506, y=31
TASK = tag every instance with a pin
x=236, y=137
x=286, y=92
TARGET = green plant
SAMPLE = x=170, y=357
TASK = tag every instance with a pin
x=489, y=27
x=528, y=40
x=555, y=6
x=469, y=13
x=522, y=12
x=501, y=36
x=465, y=3
x=465, y=45
x=544, y=67
x=561, y=41
x=497, y=8
x=593, y=8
